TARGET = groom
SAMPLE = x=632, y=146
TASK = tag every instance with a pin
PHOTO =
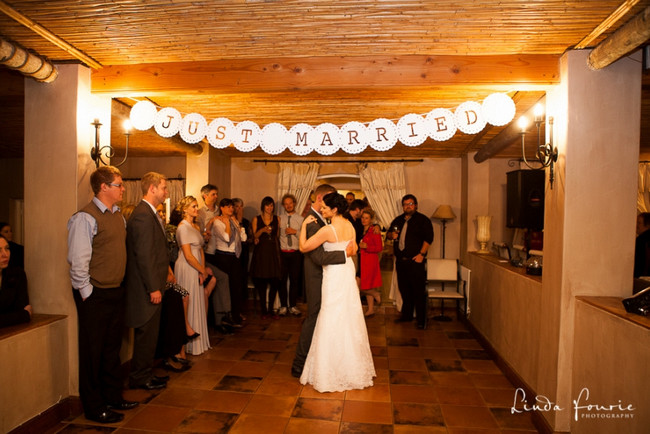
x=314, y=262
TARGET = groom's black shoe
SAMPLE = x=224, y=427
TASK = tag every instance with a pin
x=295, y=372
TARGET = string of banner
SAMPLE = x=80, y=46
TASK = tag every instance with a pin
x=412, y=129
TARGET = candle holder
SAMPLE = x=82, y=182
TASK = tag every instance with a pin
x=483, y=234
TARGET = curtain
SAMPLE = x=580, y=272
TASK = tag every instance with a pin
x=643, y=195
x=297, y=179
x=384, y=186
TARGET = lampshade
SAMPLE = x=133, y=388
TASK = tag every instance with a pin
x=444, y=212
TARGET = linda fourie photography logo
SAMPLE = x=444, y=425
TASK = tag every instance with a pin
x=582, y=408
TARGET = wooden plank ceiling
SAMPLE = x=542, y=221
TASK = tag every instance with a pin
x=312, y=61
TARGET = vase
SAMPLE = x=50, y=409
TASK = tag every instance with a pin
x=483, y=233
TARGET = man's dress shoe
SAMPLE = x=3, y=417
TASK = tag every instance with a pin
x=161, y=378
x=123, y=405
x=295, y=372
x=105, y=416
x=151, y=385
x=170, y=365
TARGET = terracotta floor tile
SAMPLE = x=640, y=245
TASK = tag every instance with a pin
x=212, y=366
x=451, y=379
x=481, y=366
x=498, y=381
x=444, y=365
x=459, y=396
x=312, y=426
x=286, y=356
x=404, y=352
x=402, y=341
x=457, y=430
x=498, y=397
x=505, y=419
x=379, y=351
x=414, y=429
x=466, y=343
x=260, y=356
x=179, y=397
x=413, y=393
x=242, y=342
x=378, y=392
x=257, y=424
x=140, y=395
x=235, y=383
x=435, y=342
x=408, y=413
x=196, y=380
x=473, y=354
x=439, y=353
x=380, y=362
x=280, y=385
x=365, y=428
x=223, y=401
x=158, y=418
x=270, y=405
x=245, y=368
x=207, y=422
x=309, y=392
x=459, y=334
x=276, y=336
x=322, y=409
x=226, y=353
x=468, y=417
x=367, y=412
x=409, y=377
x=383, y=376
x=406, y=364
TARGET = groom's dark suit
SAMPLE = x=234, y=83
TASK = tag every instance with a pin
x=314, y=262
x=146, y=272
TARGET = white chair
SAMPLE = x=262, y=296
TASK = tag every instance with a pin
x=439, y=272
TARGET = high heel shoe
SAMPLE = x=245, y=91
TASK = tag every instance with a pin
x=194, y=336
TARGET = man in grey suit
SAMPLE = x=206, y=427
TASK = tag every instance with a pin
x=314, y=262
x=147, y=271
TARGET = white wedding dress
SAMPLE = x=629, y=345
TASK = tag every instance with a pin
x=339, y=357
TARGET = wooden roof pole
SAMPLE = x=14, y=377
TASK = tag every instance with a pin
x=42, y=31
x=623, y=41
x=505, y=138
x=606, y=24
x=29, y=64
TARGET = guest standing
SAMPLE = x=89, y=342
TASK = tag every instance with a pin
x=14, y=301
x=190, y=272
x=412, y=234
x=97, y=257
x=147, y=273
x=17, y=250
x=291, y=258
x=370, y=246
x=265, y=265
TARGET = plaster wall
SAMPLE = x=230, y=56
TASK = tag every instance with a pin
x=611, y=361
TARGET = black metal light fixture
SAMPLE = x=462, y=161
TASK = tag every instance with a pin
x=97, y=151
x=546, y=152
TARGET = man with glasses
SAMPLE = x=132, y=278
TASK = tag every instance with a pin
x=412, y=234
x=97, y=257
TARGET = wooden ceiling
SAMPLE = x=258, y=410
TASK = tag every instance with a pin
x=309, y=61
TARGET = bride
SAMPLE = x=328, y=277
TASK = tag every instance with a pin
x=339, y=357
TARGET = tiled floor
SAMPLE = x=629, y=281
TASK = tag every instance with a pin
x=437, y=380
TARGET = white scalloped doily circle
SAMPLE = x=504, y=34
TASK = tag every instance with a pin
x=354, y=137
x=247, y=136
x=221, y=132
x=168, y=122
x=193, y=128
x=498, y=109
x=274, y=138
x=382, y=134
x=326, y=139
x=143, y=115
x=469, y=117
x=441, y=124
x=412, y=129
x=298, y=139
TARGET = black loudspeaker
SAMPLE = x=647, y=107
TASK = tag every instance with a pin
x=525, y=199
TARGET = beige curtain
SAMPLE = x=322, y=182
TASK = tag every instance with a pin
x=297, y=179
x=643, y=195
x=384, y=186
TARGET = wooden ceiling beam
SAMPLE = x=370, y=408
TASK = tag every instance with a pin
x=607, y=24
x=506, y=72
x=628, y=38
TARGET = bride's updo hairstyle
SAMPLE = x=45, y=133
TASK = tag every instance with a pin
x=335, y=200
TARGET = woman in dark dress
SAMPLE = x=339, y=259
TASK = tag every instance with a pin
x=14, y=301
x=265, y=265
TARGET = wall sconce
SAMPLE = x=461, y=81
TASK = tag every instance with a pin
x=546, y=153
x=108, y=151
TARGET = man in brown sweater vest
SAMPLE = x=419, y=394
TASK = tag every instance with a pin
x=97, y=257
